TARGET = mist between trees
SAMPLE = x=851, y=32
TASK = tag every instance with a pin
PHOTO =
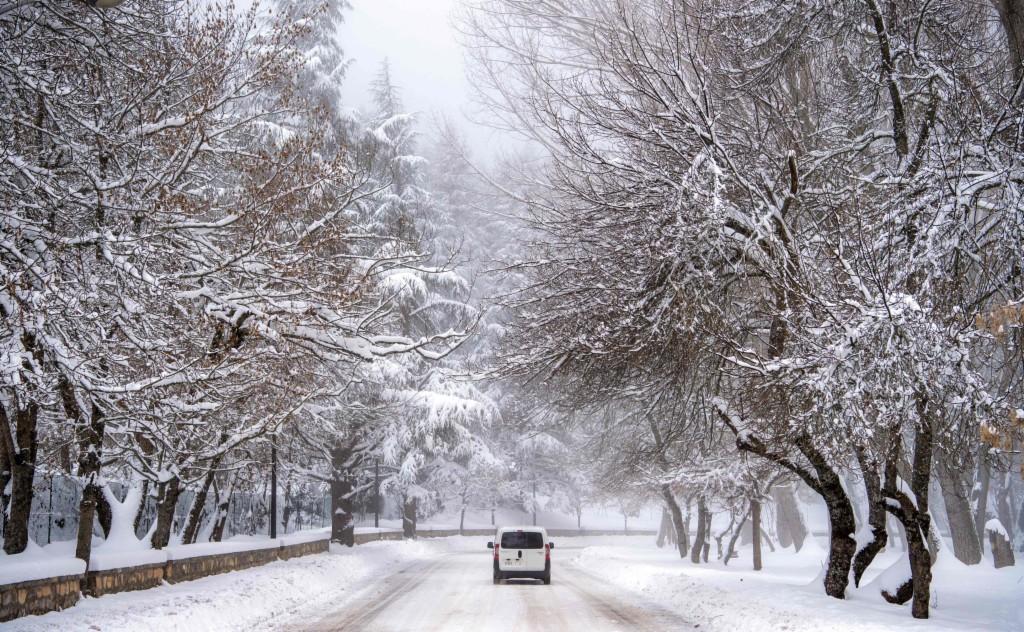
x=777, y=243
x=762, y=251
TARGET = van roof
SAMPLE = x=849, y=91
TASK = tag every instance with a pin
x=523, y=528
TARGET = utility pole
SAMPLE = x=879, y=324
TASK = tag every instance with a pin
x=273, y=488
x=376, y=494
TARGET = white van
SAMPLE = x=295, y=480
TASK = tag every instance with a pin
x=522, y=553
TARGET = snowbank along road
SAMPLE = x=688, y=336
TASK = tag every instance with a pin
x=455, y=592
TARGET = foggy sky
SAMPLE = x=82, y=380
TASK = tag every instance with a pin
x=426, y=60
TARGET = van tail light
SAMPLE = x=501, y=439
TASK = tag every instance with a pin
x=547, y=553
x=496, y=545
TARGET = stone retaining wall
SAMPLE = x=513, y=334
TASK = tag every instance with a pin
x=304, y=548
x=56, y=593
x=39, y=596
x=115, y=580
x=190, y=568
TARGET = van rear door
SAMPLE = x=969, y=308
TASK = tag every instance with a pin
x=522, y=551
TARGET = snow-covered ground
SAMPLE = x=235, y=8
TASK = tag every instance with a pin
x=593, y=518
x=787, y=593
x=265, y=597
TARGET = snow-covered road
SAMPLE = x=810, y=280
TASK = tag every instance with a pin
x=598, y=583
x=455, y=592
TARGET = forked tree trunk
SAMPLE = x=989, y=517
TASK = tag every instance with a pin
x=842, y=544
x=89, y=435
x=876, y=516
x=730, y=551
x=913, y=513
x=826, y=482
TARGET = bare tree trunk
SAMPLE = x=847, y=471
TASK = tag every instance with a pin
x=23, y=468
x=89, y=435
x=1003, y=503
x=755, y=525
x=663, y=528
x=721, y=535
x=730, y=551
x=920, y=556
x=685, y=533
x=286, y=513
x=876, y=516
x=462, y=519
x=981, y=502
x=223, y=507
x=677, y=519
x=142, y=506
x=342, y=526
x=914, y=513
x=90, y=447
x=5, y=477
x=789, y=521
x=1002, y=551
x=826, y=482
x=956, y=498
x=700, y=534
x=409, y=518
x=167, y=500
x=706, y=550
x=1011, y=16
x=195, y=516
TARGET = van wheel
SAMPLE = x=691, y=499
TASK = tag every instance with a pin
x=497, y=579
x=547, y=579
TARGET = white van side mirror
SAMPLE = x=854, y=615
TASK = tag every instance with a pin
x=551, y=545
x=490, y=545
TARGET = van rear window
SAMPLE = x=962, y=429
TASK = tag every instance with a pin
x=522, y=540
